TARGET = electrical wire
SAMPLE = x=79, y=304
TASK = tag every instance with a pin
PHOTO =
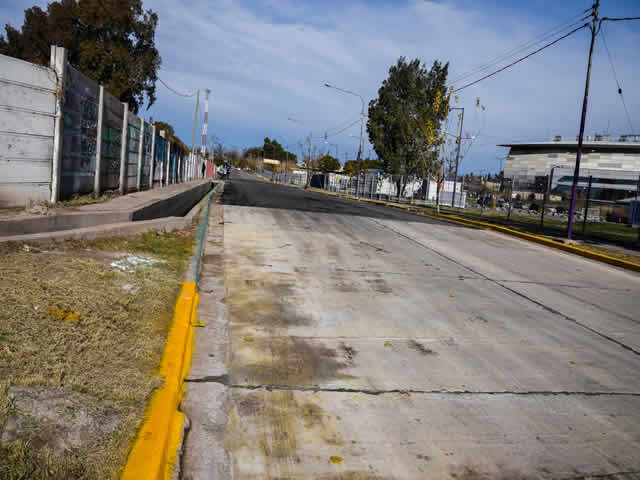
x=619, y=19
x=615, y=76
x=527, y=45
x=521, y=59
x=175, y=91
x=344, y=129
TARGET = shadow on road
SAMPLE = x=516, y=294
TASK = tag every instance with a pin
x=246, y=190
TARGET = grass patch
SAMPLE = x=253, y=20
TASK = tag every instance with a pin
x=67, y=321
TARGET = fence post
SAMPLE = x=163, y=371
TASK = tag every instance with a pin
x=96, y=177
x=153, y=155
x=510, y=200
x=58, y=62
x=124, y=147
x=586, y=207
x=166, y=182
x=140, y=145
x=484, y=195
x=545, y=199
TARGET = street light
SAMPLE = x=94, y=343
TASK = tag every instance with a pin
x=328, y=85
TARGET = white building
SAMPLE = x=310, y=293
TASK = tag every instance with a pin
x=600, y=152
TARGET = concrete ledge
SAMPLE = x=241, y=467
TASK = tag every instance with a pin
x=173, y=201
x=114, y=229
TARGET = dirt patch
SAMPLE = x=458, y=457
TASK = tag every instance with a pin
x=56, y=418
x=419, y=347
x=72, y=323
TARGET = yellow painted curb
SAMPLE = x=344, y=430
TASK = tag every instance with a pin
x=618, y=262
x=154, y=452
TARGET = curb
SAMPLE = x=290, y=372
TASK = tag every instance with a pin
x=154, y=453
x=498, y=228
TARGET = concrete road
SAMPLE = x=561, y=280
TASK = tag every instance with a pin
x=345, y=340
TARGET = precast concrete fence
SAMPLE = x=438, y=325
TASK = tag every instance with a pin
x=62, y=134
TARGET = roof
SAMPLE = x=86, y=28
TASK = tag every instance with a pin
x=592, y=145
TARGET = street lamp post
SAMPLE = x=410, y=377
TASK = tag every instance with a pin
x=361, y=130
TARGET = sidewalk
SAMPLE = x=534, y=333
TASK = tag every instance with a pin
x=173, y=200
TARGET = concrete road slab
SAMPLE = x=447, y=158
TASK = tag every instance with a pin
x=345, y=340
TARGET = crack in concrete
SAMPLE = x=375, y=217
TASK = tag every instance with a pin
x=614, y=475
x=226, y=381
x=520, y=294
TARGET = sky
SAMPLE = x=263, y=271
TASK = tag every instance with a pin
x=267, y=61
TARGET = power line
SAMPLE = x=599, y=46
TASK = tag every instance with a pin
x=175, y=91
x=615, y=76
x=529, y=44
x=521, y=59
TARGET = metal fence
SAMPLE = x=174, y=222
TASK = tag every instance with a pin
x=375, y=185
x=607, y=206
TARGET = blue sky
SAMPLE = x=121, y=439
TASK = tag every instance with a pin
x=267, y=60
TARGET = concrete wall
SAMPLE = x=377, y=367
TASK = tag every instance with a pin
x=80, y=117
x=27, y=109
x=31, y=142
x=113, y=112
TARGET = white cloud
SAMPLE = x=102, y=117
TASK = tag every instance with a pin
x=268, y=61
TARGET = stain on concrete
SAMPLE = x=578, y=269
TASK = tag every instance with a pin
x=348, y=352
x=287, y=361
x=350, y=475
x=470, y=473
x=342, y=283
x=268, y=423
x=419, y=347
x=379, y=285
x=213, y=259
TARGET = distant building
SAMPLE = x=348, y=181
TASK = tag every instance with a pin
x=529, y=160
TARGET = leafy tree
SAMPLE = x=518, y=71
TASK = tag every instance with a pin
x=351, y=167
x=110, y=41
x=327, y=163
x=405, y=120
x=169, y=134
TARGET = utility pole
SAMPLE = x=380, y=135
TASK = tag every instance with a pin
x=576, y=172
x=455, y=180
x=195, y=125
x=328, y=85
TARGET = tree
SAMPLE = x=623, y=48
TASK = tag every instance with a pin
x=110, y=41
x=327, y=163
x=351, y=167
x=169, y=134
x=405, y=120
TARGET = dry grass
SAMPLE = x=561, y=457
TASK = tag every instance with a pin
x=78, y=201
x=108, y=345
